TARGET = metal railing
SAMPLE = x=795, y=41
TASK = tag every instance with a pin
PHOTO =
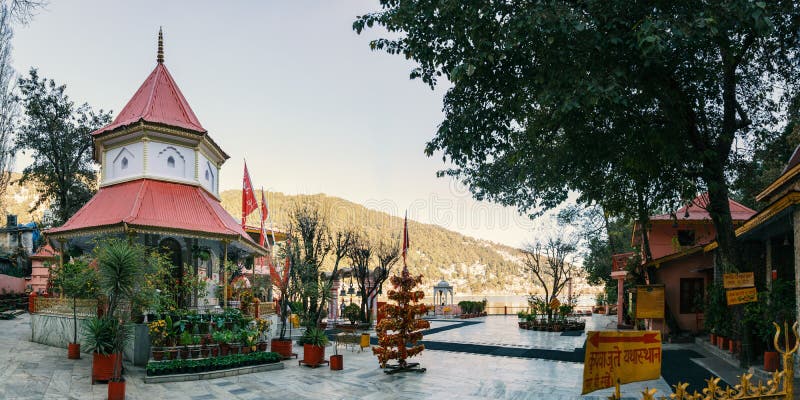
x=63, y=306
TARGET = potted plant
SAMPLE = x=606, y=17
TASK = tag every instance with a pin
x=263, y=327
x=120, y=273
x=221, y=338
x=314, y=341
x=282, y=345
x=185, y=341
x=99, y=336
x=75, y=279
x=337, y=361
x=353, y=313
x=158, y=335
x=123, y=334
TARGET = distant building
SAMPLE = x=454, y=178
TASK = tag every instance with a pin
x=17, y=243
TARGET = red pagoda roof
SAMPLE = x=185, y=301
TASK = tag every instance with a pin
x=149, y=205
x=697, y=211
x=158, y=100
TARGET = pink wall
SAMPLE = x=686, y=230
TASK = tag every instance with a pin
x=661, y=234
x=12, y=284
x=670, y=274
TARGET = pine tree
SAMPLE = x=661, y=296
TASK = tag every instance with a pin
x=401, y=320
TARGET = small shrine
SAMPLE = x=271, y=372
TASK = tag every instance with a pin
x=159, y=186
x=440, y=292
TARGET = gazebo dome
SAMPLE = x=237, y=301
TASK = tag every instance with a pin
x=443, y=284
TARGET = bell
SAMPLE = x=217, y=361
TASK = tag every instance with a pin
x=351, y=291
x=342, y=293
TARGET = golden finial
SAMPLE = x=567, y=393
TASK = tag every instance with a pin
x=160, y=56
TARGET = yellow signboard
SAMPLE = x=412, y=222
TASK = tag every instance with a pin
x=738, y=280
x=741, y=296
x=630, y=356
x=554, y=304
x=650, y=301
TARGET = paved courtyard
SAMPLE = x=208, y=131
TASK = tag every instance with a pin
x=470, y=368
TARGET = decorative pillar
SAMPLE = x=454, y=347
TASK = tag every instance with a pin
x=224, y=274
x=796, y=249
x=620, y=300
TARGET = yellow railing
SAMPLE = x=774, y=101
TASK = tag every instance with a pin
x=781, y=386
x=63, y=306
x=266, y=308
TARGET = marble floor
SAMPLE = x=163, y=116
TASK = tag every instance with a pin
x=34, y=371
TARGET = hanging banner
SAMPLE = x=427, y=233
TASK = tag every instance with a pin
x=650, y=302
x=741, y=296
x=738, y=280
x=630, y=356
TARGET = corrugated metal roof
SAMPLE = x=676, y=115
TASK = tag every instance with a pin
x=158, y=100
x=697, y=211
x=152, y=203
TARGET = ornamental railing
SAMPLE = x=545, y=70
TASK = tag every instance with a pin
x=781, y=386
x=63, y=306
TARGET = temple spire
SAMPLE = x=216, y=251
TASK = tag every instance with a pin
x=160, y=56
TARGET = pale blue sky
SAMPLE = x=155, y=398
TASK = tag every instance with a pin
x=287, y=85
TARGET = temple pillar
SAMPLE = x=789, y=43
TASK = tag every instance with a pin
x=620, y=300
x=768, y=263
x=796, y=250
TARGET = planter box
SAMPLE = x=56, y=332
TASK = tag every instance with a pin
x=213, y=374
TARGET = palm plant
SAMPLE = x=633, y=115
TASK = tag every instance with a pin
x=120, y=267
x=99, y=333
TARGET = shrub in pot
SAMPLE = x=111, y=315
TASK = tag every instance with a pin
x=75, y=279
x=99, y=333
x=314, y=341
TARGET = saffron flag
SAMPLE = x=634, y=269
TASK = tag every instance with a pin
x=249, y=203
x=405, y=238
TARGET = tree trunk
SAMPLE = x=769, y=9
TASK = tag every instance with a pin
x=720, y=211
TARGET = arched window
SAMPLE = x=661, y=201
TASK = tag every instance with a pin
x=171, y=162
x=124, y=163
x=207, y=174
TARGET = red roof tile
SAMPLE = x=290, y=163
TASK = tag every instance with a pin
x=697, y=211
x=158, y=100
x=155, y=204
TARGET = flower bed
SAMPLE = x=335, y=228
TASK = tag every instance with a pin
x=171, y=367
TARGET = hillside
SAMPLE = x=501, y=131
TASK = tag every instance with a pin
x=472, y=266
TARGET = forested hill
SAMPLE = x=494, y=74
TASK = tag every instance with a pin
x=472, y=266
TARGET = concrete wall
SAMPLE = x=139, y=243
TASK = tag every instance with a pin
x=12, y=284
x=57, y=331
x=661, y=234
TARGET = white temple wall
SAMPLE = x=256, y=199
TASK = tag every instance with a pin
x=208, y=174
x=171, y=161
x=124, y=162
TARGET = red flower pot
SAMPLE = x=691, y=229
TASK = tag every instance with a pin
x=282, y=347
x=116, y=390
x=770, y=361
x=262, y=346
x=732, y=346
x=712, y=338
x=103, y=366
x=224, y=349
x=74, y=351
x=245, y=349
x=158, y=355
x=313, y=355
x=337, y=362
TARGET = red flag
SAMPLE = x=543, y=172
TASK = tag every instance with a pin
x=405, y=239
x=262, y=238
x=249, y=203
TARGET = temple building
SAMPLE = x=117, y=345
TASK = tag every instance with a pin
x=159, y=184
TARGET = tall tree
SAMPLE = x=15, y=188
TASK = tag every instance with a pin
x=532, y=79
x=57, y=134
x=310, y=243
x=549, y=262
x=17, y=11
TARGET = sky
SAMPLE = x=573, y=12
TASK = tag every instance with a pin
x=288, y=86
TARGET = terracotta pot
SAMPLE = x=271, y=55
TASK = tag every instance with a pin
x=116, y=390
x=172, y=354
x=732, y=346
x=158, y=355
x=712, y=338
x=103, y=366
x=313, y=355
x=337, y=362
x=214, y=351
x=245, y=349
x=74, y=351
x=770, y=361
x=224, y=349
x=262, y=346
x=282, y=347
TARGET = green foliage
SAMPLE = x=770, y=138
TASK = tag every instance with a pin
x=718, y=319
x=76, y=279
x=472, y=307
x=628, y=103
x=169, y=367
x=100, y=334
x=353, y=313
x=120, y=267
x=314, y=337
x=56, y=134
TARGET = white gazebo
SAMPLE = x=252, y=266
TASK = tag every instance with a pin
x=440, y=292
